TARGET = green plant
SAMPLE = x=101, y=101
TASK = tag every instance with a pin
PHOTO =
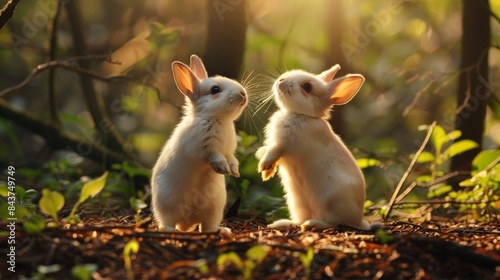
x=137, y=204
x=84, y=271
x=480, y=194
x=89, y=189
x=23, y=202
x=132, y=247
x=50, y=203
x=255, y=255
x=306, y=260
x=444, y=149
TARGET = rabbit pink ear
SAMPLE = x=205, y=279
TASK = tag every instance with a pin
x=198, y=67
x=343, y=89
x=329, y=74
x=185, y=79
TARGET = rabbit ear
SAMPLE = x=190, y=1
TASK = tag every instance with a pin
x=185, y=79
x=198, y=67
x=342, y=90
x=328, y=75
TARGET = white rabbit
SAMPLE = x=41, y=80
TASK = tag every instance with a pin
x=188, y=185
x=323, y=184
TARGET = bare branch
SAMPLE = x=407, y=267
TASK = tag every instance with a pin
x=58, y=139
x=408, y=170
x=73, y=68
x=52, y=73
x=7, y=12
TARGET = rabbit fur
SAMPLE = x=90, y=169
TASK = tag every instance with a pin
x=324, y=187
x=188, y=184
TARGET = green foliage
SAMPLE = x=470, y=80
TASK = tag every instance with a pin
x=23, y=203
x=50, y=203
x=384, y=237
x=132, y=247
x=34, y=223
x=367, y=162
x=254, y=257
x=480, y=195
x=90, y=189
x=137, y=204
x=84, y=271
x=444, y=149
x=307, y=259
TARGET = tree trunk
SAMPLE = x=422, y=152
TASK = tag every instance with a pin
x=335, y=25
x=227, y=26
x=473, y=85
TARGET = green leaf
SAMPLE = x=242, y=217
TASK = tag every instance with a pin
x=438, y=138
x=384, y=236
x=84, y=271
x=231, y=257
x=34, y=224
x=20, y=191
x=425, y=157
x=439, y=190
x=484, y=159
x=257, y=253
x=93, y=187
x=30, y=195
x=51, y=202
x=423, y=179
x=468, y=183
x=367, y=162
x=455, y=134
x=137, y=204
x=459, y=147
x=132, y=247
x=307, y=259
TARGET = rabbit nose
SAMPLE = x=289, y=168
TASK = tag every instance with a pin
x=282, y=86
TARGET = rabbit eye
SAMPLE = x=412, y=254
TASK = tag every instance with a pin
x=307, y=87
x=215, y=89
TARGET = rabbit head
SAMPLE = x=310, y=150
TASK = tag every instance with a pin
x=304, y=93
x=216, y=96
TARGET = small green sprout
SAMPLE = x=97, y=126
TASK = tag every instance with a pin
x=307, y=259
x=89, y=189
x=255, y=255
x=132, y=247
x=50, y=203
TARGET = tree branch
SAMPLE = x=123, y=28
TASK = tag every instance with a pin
x=408, y=170
x=73, y=68
x=7, y=12
x=95, y=104
x=58, y=139
x=52, y=73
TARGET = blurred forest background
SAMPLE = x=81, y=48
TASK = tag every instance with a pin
x=110, y=96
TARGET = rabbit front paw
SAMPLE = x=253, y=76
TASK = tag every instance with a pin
x=234, y=166
x=267, y=167
x=220, y=165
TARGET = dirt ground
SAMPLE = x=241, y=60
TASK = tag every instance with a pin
x=403, y=250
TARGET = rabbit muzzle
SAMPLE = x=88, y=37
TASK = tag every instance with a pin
x=284, y=87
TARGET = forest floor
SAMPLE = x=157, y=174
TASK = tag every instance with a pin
x=403, y=250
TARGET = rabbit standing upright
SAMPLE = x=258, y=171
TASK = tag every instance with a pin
x=323, y=184
x=188, y=184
